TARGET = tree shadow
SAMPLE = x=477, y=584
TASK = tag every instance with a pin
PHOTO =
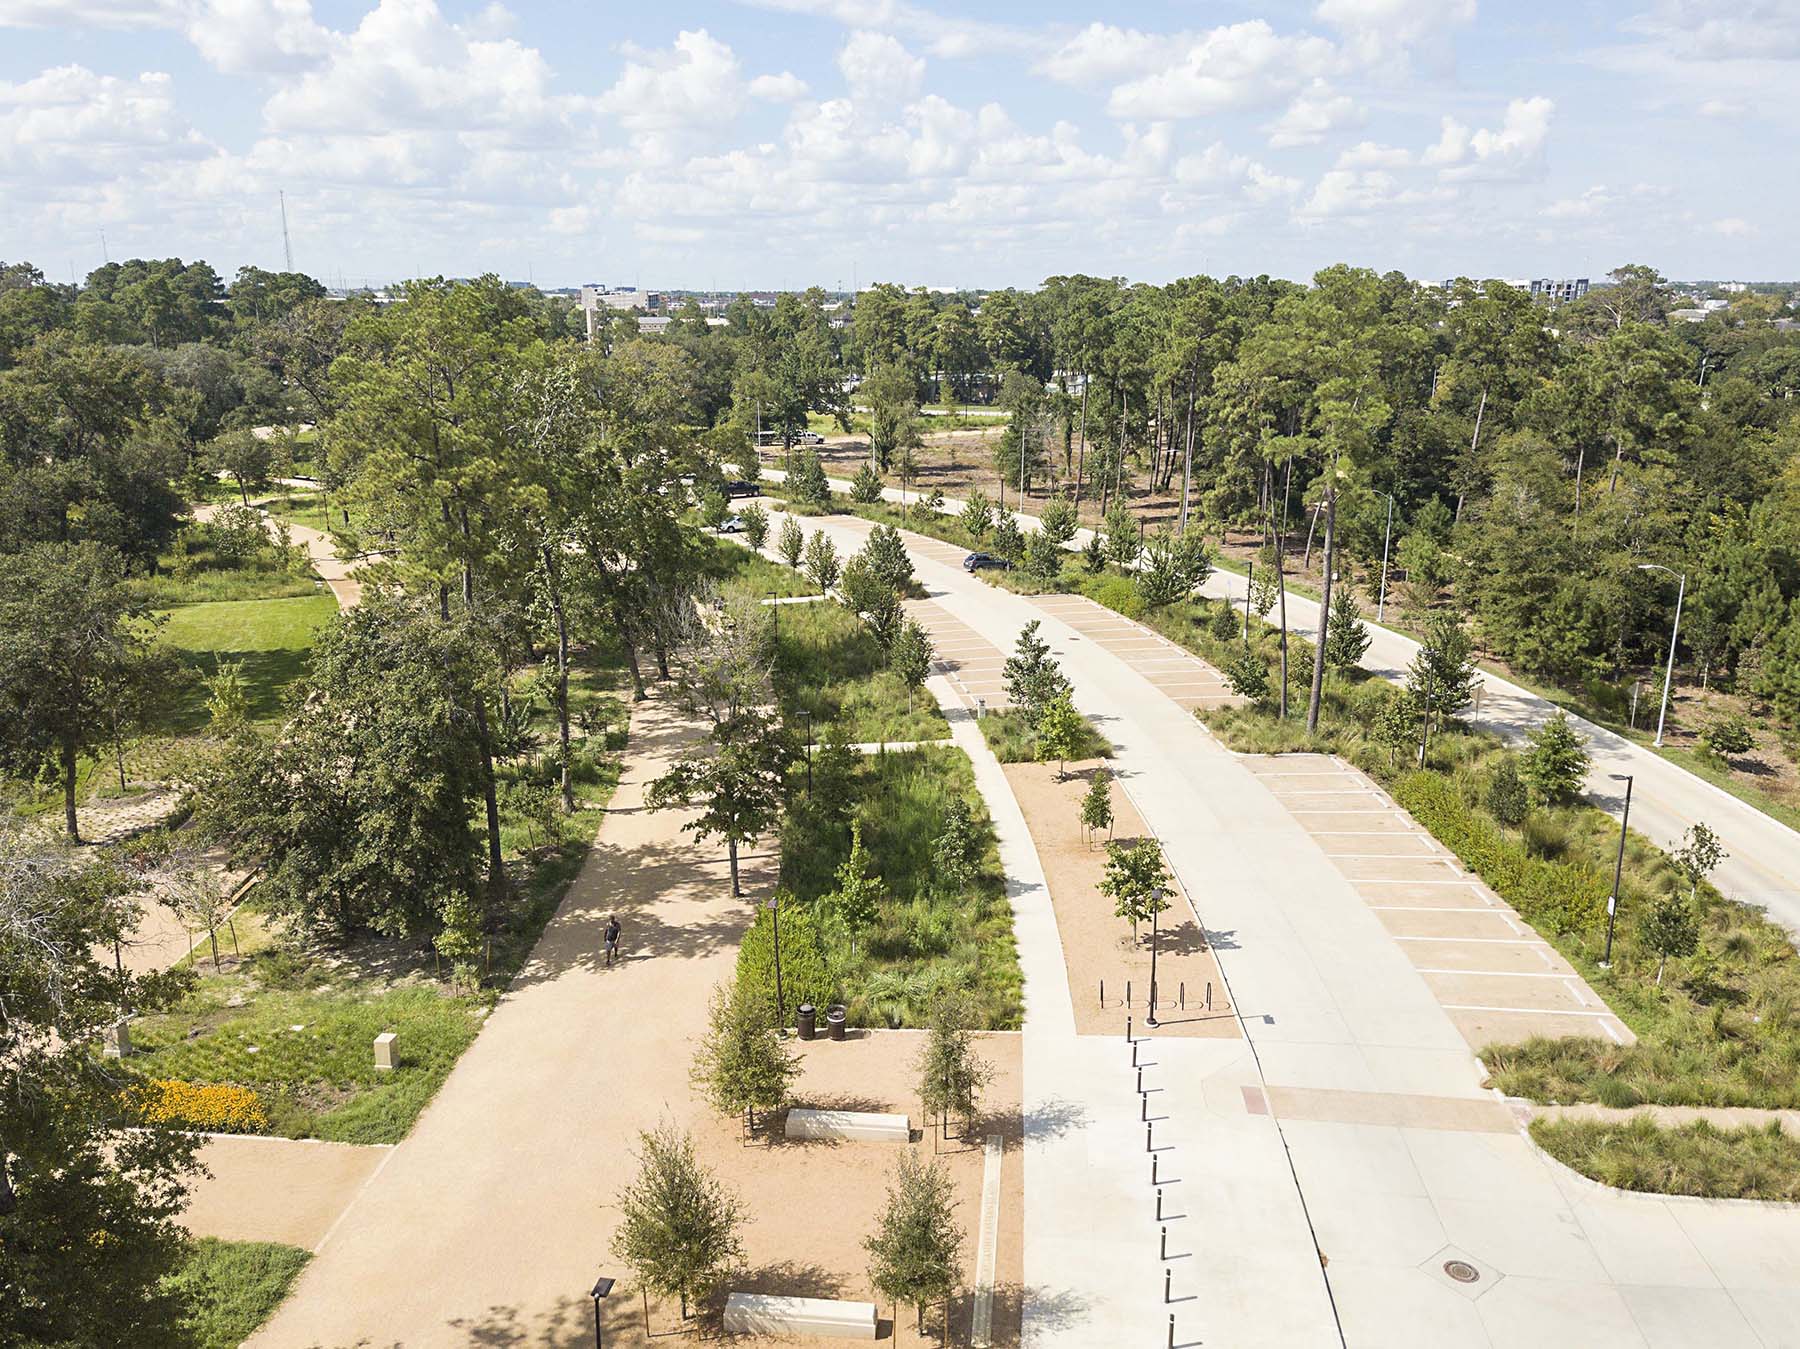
x=1222, y=939
x=1052, y=1310
x=1053, y=1118
x=568, y=1325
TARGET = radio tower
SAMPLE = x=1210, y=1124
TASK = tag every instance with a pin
x=287, y=246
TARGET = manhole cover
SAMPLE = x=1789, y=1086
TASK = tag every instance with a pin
x=1462, y=1271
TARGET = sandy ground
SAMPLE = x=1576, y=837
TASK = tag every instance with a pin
x=276, y=1189
x=1096, y=944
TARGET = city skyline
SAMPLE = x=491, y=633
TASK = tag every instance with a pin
x=783, y=143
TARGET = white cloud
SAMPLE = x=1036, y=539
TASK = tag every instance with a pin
x=666, y=99
x=1734, y=227
x=1101, y=54
x=1514, y=150
x=879, y=69
x=1596, y=201
x=782, y=88
x=1390, y=32
x=89, y=13
x=1371, y=155
x=1744, y=30
x=1349, y=192
x=1311, y=116
x=1242, y=65
x=1722, y=107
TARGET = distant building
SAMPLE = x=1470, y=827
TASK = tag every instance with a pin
x=1560, y=291
x=597, y=299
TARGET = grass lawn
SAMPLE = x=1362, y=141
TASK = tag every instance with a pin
x=1695, y=1159
x=258, y=578
x=827, y=665
x=735, y=566
x=300, y=508
x=229, y=1288
x=924, y=940
x=270, y=637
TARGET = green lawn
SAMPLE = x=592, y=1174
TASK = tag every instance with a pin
x=1695, y=1159
x=924, y=940
x=270, y=637
x=229, y=1288
x=827, y=665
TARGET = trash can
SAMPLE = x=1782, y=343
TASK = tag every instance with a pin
x=808, y=1021
x=834, y=1021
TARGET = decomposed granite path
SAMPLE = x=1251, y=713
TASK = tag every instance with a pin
x=489, y=1222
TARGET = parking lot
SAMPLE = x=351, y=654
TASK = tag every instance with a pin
x=970, y=661
x=1180, y=674
x=1499, y=981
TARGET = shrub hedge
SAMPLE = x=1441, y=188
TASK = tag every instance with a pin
x=805, y=977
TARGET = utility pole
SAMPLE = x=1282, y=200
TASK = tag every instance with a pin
x=287, y=247
x=1612, y=900
x=1381, y=604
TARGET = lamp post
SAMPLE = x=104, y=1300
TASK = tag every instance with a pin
x=1386, y=538
x=1156, y=903
x=780, y=1001
x=601, y=1288
x=1668, y=673
x=1612, y=900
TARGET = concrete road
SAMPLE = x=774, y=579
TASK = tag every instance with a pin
x=1763, y=866
x=1401, y=1171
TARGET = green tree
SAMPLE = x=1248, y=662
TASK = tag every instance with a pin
x=736, y=783
x=865, y=486
x=1248, y=676
x=756, y=525
x=1507, y=800
x=1058, y=521
x=1009, y=542
x=822, y=566
x=678, y=1226
x=977, y=515
x=1060, y=732
x=1135, y=880
x=855, y=902
x=1123, y=541
x=1032, y=675
x=954, y=856
x=1700, y=852
x=916, y=1248
x=741, y=1062
x=911, y=658
x=792, y=542
x=1096, y=805
x=227, y=699
x=888, y=558
x=1043, y=559
x=871, y=598
x=248, y=458
x=1175, y=566
x=75, y=1178
x=1442, y=676
x=951, y=1074
x=893, y=414
x=808, y=483
x=1669, y=927
x=713, y=508
x=1346, y=636
x=1556, y=763
x=72, y=634
x=1727, y=736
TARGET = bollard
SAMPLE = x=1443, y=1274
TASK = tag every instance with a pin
x=1128, y=1033
x=1183, y=994
x=1165, y=1244
x=1159, y=1203
x=1140, y=1081
x=1134, y=1062
x=1209, y=995
x=1128, y=992
x=1154, y=1162
x=1168, y=1279
x=1171, y=1330
x=1103, y=993
x=1143, y=1108
x=1147, y=1147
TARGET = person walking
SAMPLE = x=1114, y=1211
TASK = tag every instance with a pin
x=612, y=938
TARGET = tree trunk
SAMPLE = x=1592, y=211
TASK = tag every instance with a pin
x=496, y=863
x=1659, y=970
x=637, y=675
x=1318, y=672
x=731, y=849
x=1187, y=462
x=212, y=934
x=1081, y=454
x=562, y=675
x=70, y=826
x=1580, y=462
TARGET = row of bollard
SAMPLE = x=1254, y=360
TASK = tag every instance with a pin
x=1155, y=1161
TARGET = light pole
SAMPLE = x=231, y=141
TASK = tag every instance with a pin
x=1386, y=538
x=601, y=1288
x=1612, y=900
x=1669, y=673
x=780, y=1001
x=1156, y=904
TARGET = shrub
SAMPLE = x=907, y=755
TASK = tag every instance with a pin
x=210, y=1107
x=792, y=542
x=1058, y=521
x=1118, y=593
x=1556, y=764
x=756, y=525
x=1226, y=625
x=1249, y=677
x=1506, y=797
x=804, y=974
x=808, y=483
x=865, y=487
x=1728, y=735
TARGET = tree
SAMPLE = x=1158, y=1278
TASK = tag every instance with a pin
x=808, y=483
x=1043, y=559
x=1442, y=675
x=792, y=542
x=1699, y=853
x=227, y=699
x=1096, y=805
x=1175, y=566
x=76, y=1178
x=1556, y=763
x=678, y=1226
x=741, y=1062
x=1009, y=542
x=1060, y=732
x=865, y=486
x=977, y=515
x=1395, y=724
x=888, y=558
x=1669, y=927
x=954, y=855
x=736, y=783
x=201, y=902
x=713, y=507
x=1123, y=542
x=1058, y=522
x=916, y=1248
x=72, y=636
x=855, y=902
x=1346, y=636
x=873, y=600
x=911, y=658
x=1033, y=677
x=822, y=566
x=1727, y=736
x=951, y=1073
x=1506, y=796
x=756, y=525
x=1248, y=676
x=893, y=413
x=361, y=812
x=1135, y=879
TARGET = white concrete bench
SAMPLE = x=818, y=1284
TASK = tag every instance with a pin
x=861, y=1125
x=766, y=1314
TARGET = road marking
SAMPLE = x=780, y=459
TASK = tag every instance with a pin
x=1499, y=974
x=1389, y=880
x=1528, y=1011
x=1425, y=908
x=1491, y=941
x=987, y=1247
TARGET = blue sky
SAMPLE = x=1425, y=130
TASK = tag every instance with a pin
x=792, y=142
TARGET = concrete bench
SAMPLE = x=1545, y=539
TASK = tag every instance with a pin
x=766, y=1314
x=861, y=1125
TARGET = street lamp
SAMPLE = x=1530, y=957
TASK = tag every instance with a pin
x=1156, y=904
x=1612, y=900
x=601, y=1288
x=1249, y=580
x=1669, y=673
x=780, y=1002
x=1381, y=604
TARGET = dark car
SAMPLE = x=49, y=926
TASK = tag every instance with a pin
x=976, y=561
x=740, y=488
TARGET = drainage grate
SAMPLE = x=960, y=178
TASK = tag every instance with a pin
x=1462, y=1271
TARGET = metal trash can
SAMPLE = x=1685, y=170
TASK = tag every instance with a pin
x=808, y=1021
x=834, y=1021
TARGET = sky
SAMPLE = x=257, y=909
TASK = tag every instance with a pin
x=786, y=143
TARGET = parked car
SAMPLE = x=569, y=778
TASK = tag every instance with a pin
x=741, y=488
x=809, y=438
x=732, y=524
x=974, y=562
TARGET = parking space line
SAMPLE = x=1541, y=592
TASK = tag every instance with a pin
x=1499, y=974
x=1527, y=1011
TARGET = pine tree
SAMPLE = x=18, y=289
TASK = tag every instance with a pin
x=953, y=856
x=808, y=482
x=865, y=487
x=1347, y=636
x=977, y=515
x=1033, y=677
x=856, y=901
x=1043, y=558
x=1009, y=542
x=1506, y=797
